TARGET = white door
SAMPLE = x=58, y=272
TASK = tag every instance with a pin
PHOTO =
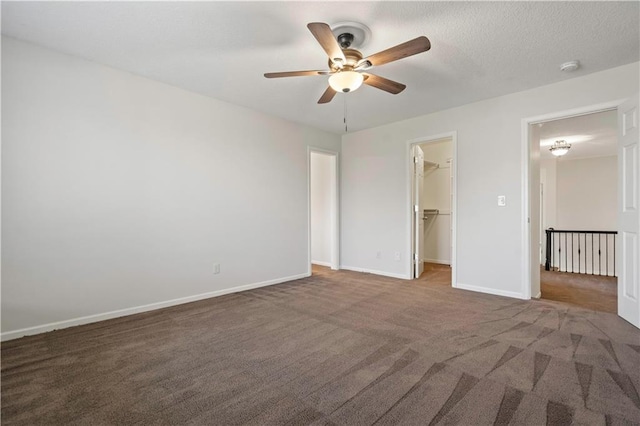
x=628, y=212
x=418, y=210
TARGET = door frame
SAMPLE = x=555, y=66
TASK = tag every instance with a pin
x=453, y=135
x=335, y=213
x=526, y=154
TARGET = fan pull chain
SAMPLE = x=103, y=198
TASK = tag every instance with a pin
x=346, y=128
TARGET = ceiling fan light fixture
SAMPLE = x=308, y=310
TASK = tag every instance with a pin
x=560, y=148
x=346, y=81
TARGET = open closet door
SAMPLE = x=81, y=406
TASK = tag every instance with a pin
x=418, y=209
x=629, y=212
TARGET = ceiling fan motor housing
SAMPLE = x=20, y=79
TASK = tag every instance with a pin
x=352, y=57
x=345, y=40
x=358, y=34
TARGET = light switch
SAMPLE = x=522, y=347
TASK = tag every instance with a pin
x=502, y=200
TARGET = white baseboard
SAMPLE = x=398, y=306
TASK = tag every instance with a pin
x=9, y=335
x=539, y=295
x=321, y=263
x=438, y=261
x=487, y=290
x=371, y=271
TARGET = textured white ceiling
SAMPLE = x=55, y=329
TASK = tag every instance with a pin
x=221, y=49
x=591, y=135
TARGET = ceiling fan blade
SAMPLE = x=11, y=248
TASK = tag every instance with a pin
x=327, y=96
x=382, y=83
x=294, y=73
x=322, y=33
x=409, y=48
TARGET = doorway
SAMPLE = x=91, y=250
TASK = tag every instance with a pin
x=323, y=211
x=578, y=209
x=627, y=212
x=433, y=208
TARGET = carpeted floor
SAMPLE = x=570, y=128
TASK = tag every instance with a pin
x=340, y=348
x=588, y=291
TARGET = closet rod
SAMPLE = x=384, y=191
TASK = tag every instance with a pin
x=429, y=212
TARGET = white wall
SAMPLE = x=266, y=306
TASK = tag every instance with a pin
x=375, y=177
x=437, y=190
x=118, y=191
x=587, y=191
x=322, y=196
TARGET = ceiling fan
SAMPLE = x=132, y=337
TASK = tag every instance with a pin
x=347, y=65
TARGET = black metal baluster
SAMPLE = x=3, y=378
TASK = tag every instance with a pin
x=579, y=271
x=599, y=254
x=606, y=247
x=586, y=253
x=593, y=268
x=553, y=254
x=572, y=266
x=566, y=263
x=559, y=252
x=586, y=250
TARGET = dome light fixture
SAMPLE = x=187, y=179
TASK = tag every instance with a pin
x=560, y=148
x=346, y=81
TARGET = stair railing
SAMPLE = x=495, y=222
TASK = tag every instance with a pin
x=581, y=252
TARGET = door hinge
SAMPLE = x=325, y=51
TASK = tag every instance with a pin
x=416, y=208
x=415, y=160
x=415, y=257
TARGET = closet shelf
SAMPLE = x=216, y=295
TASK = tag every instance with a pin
x=429, y=212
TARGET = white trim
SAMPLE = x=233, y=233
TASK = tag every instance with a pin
x=539, y=295
x=525, y=158
x=438, y=261
x=525, y=221
x=575, y=112
x=453, y=135
x=321, y=263
x=374, y=272
x=8, y=335
x=335, y=246
x=487, y=290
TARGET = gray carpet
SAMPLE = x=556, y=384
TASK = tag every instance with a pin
x=339, y=348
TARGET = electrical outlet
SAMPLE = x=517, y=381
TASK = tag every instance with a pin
x=397, y=255
x=502, y=200
x=216, y=268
